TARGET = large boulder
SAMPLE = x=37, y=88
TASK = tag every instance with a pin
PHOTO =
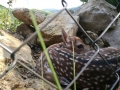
x=23, y=15
x=95, y=15
x=52, y=32
x=112, y=36
x=24, y=54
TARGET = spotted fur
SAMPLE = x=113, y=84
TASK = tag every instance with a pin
x=95, y=77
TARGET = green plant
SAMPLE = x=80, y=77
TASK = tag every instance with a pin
x=7, y=20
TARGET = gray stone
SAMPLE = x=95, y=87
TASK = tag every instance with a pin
x=23, y=15
x=112, y=36
x=26, y=31
x=24, y=54
x=52, y=32
x=94, y=36
x=95, y=15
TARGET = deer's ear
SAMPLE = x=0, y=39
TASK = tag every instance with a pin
x=65, y=37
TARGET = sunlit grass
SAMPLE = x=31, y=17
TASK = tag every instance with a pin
x=74, y=67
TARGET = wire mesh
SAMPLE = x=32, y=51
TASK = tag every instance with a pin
x=64, y=3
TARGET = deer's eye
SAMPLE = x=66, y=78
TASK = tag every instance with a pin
x=80, y=46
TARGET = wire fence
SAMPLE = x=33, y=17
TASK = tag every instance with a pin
x=64, y=3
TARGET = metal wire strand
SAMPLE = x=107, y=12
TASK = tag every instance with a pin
x=64, y=3
x=13, y=63
x=116, y=82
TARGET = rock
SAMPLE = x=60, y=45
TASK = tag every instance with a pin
x=23, y=15
x=26, y=31
x=112, y=36
x=14, y=80
x=24, y=54
x=95, y=15
x=52, y=32
x=11, y=79
x=94, y=36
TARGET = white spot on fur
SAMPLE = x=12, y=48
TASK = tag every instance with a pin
x=105, y=54
x=84, y=81
x=71, y=68
x=92, y=69
x=96, y=78
x=98, y=69
x=88, y=79
x=96, y=83
x=101, y=80
x=57, y=48
x=71, y=73
x=94, y=65
x=57, y=62
x=103, y=76
x=48, y=70
x=88, y=59
x=89, y=84
x=96, y=59
x=56, y=58
x=61, y=70
x=86, y=89
x=87, y=74
x=80, y=79
x=51, y=56
x=62, y=59
x=50, y=51
x=66, y=68
x=60, y=73
x=64, y=71
x=62, y=54
x=61, y=64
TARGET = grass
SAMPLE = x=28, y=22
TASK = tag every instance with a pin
x=45, y=51
x=74, y=67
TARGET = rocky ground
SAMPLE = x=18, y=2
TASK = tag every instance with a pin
x=94, y=18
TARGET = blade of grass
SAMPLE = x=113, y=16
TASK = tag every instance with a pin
x=42, y=72
x=74, y=67
x=45, y=51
